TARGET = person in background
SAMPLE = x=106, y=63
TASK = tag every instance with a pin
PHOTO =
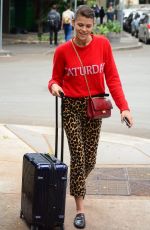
x=96, y=9
x=68, y=77
x=67, y=17
x=110, y=13
x=54, y=25
x=101, y=14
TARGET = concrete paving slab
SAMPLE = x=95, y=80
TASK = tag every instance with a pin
x=120, y=214
x=113, y=148
x=9, y=212
x=101, y=214
x=38, y=142
x=39, y=139
x=12, y=148
x=114, y=153
x=112, y=214
x=123, y=149
x=10, y=177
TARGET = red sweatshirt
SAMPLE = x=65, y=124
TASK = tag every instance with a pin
x=98, y=65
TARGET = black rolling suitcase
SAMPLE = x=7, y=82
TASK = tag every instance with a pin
x=44, y=182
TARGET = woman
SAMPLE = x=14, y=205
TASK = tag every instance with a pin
x=67, y=17
x=68, y=77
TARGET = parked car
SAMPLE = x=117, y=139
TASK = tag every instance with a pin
x=126, y=13
x=128, y=21
x=135, y=23
x=144, y=29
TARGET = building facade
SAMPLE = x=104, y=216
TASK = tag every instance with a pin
x=127, y=3
x=22, y=16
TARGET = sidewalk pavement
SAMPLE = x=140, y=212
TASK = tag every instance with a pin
x=118, y=190
x=11, y=40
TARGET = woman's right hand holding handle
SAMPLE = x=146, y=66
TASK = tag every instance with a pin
x=57, y=90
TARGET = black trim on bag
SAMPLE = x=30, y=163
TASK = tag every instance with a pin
x=101, y=95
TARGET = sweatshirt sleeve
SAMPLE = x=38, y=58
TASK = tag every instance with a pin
x=58, y=69
x=113, y=80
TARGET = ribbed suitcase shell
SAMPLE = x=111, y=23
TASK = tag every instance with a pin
x=44, y=182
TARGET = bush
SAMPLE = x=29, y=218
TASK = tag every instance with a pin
x=101, y=29
x=106, y=28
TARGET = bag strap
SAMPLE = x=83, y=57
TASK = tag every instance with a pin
x=100, y=95
x=82, y=67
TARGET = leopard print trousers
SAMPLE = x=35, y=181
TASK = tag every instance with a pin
x=83, y=136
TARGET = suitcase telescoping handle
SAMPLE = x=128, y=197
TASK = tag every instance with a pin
x=62, y=129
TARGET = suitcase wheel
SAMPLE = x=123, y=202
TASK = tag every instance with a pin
x=33, y=227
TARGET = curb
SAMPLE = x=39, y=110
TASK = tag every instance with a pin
x=137, y=45
x=23, y=42
x=128, y=47
x=5, y=53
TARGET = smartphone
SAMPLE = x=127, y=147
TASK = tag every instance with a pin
x=127, y=121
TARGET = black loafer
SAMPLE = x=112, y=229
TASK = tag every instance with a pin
x=79, y=220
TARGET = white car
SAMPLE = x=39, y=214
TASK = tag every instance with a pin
x=144, y=29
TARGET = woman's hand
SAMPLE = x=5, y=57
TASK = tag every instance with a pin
x=56, y=90
x=127, y=114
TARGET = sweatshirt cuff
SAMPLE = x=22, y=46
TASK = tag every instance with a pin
x=124, y=109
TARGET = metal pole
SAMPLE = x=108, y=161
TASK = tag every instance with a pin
x=71, y=4
x=1, y=23
x=120, y=12
x=75, y=5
